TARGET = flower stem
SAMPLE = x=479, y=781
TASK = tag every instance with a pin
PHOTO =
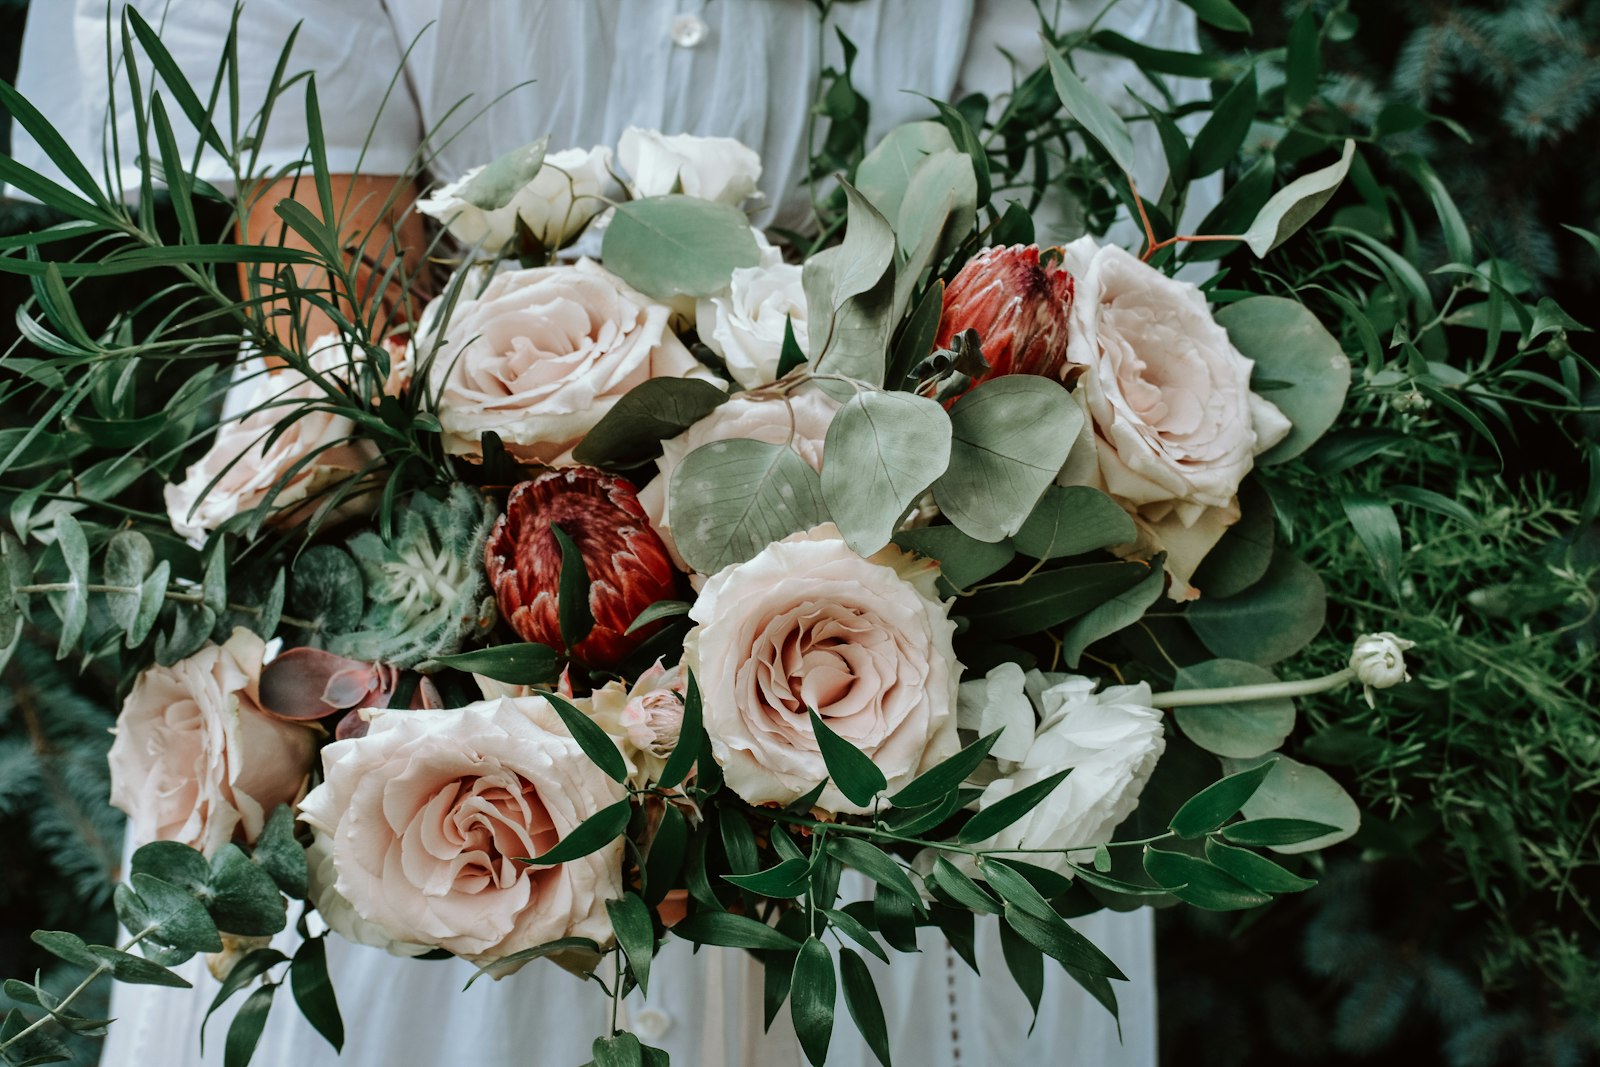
x=66, y=1001
x=1234, y=694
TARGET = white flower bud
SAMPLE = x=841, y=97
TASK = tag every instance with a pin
x=1379, y=662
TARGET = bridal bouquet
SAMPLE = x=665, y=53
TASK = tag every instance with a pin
x=653, y=573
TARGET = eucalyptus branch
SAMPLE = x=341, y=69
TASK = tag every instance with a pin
x=177, y=596
x=104, y=967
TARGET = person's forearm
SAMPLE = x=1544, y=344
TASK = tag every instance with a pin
x=368, y=220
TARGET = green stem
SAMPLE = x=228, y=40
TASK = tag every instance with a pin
x=946, y=846
x=103, y=968
x=171, y=594
x=1233, y=694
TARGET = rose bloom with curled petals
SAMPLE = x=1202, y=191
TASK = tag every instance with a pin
x=1020, y=307
x=803, y=422
x=542, y=354
x=706, y=168
x=745, y=324
x=1175, y=427
x=249, y=459
x=429, y=814
x=196, y=760
x=807, y=624
x=627, y=564
x=1111, y=742
x=645, y=718
x=569, y=189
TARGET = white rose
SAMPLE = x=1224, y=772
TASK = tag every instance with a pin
x=1109, y=740
x=429, y=812
x=248, y=459
x=542, y=354
x=707, y=168
x=570, y=188
x=195, y=758
x=1176, y=427
x=745, y=325
x=807, y=624
x=803, y=422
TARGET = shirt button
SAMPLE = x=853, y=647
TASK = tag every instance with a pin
x=689, y=31
x=652, y=1024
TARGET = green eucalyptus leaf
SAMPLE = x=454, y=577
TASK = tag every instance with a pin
x=730, y=499
x=884, y=175
x=1271, y=620
x=129, y=560
x=1072, y=519
x=1011, y=436
x=174, y=917
x=670, y=246
x=883, y=451
x=1100, y=124
x=498, y=183
x=963, y=560
x=1242, y=729
x=280, y=855
x=632, y=430
x=1121, y=611
x=243, y=897
x=1294, y=790
x=1293, y=206
x=73, y=605
x=1308, y=369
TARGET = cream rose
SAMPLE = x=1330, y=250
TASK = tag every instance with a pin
x=195, y=759
x=1176, y=427
x=569, y=189
x=429, y=813
x=803, y=422
x=1109, y=740
x=543, y=354
x=745, y=324
x=321, y=888
x=807, y=624
x=247, y=459
x=707, y=168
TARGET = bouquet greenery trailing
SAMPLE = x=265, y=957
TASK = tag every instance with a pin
x=794, y=587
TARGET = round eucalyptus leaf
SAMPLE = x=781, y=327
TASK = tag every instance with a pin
x=667, y=246
x=1299, y=366
x=1295, y=790
x=882, y=452
x=730, y=499
x=1242, y=729
x=129, y=559
x=498, y=183
x=1012, y=434
x=962, y=560
x=1073, y=519
x=1242, y=556
x=884, y=175
x=1273, y=619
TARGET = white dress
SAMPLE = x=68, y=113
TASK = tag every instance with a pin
x=739, y=68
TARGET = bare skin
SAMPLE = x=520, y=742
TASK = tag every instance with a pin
x=361, y=201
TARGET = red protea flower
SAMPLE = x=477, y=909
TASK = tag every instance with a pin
x=1019, y=307
x=628, y=566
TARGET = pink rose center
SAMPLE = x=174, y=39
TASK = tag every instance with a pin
x=470, y=835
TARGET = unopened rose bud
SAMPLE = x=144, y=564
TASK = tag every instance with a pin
x=1379, y=662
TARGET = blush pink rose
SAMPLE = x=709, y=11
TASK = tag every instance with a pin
x=542, y=354
x=644, y=718
x=809, y=624
x=803, y=422
x=195, y=759
x=249, y=458
x=1175, y=427
x=429, y=814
